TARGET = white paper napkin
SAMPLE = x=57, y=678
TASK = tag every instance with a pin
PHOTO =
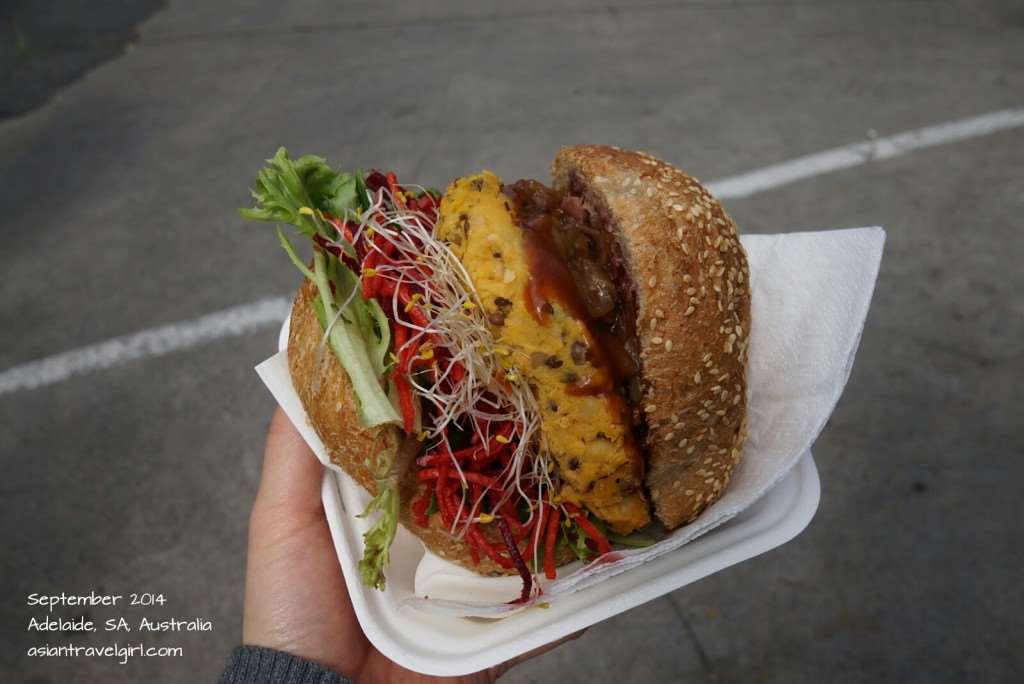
x=810, y=296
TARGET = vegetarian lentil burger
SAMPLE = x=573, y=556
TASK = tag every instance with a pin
x=520, y=374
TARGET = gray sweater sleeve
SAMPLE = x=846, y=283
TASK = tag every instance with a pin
x=255, y=665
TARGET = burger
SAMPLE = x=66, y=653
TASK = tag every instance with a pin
x=521, y=374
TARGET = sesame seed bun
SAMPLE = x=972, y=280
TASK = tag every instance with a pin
x=692, y=287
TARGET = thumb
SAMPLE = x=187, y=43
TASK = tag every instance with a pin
x=290, y=482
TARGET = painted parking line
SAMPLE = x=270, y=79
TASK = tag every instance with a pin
x=856, y=154
x=158, y=341
x=245, y=318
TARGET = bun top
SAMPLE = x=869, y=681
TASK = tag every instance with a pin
x=692, y=287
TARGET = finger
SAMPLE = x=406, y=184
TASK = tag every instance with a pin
x=290, y=482
x=504, y=667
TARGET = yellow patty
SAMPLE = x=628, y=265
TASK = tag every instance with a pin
x=586, y=434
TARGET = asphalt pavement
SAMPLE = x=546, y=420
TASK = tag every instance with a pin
x=117, y=207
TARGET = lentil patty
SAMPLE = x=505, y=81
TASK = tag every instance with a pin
x=589, y=435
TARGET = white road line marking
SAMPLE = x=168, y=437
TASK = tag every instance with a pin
x=153, y=342
x=239, y=320
x=864, y=152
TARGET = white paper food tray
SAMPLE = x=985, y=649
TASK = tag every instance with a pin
x=441, y=645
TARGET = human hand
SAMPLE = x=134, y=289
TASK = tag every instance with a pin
x=295, y=596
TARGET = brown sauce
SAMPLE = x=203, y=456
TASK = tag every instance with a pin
x=574, y=261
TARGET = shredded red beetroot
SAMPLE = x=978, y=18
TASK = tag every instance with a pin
x=375, y=180
x=517, y=559
x=324, y=244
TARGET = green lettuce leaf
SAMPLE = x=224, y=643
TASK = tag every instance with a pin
x=577, y=543
x=299, y=192
x=358, y=352
x=287, y=191
x=341, y=196
x=282, y=194
x=377, y=540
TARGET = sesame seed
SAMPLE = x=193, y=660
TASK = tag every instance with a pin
x=659, y=313
x=688, y=311
x=652, y=281
x=677, y=207
x=669, y=436
x=650, y=408
x=668, y=345
x=656, y=340
x=691, y=449
x=687, y=278
x=696, y=378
